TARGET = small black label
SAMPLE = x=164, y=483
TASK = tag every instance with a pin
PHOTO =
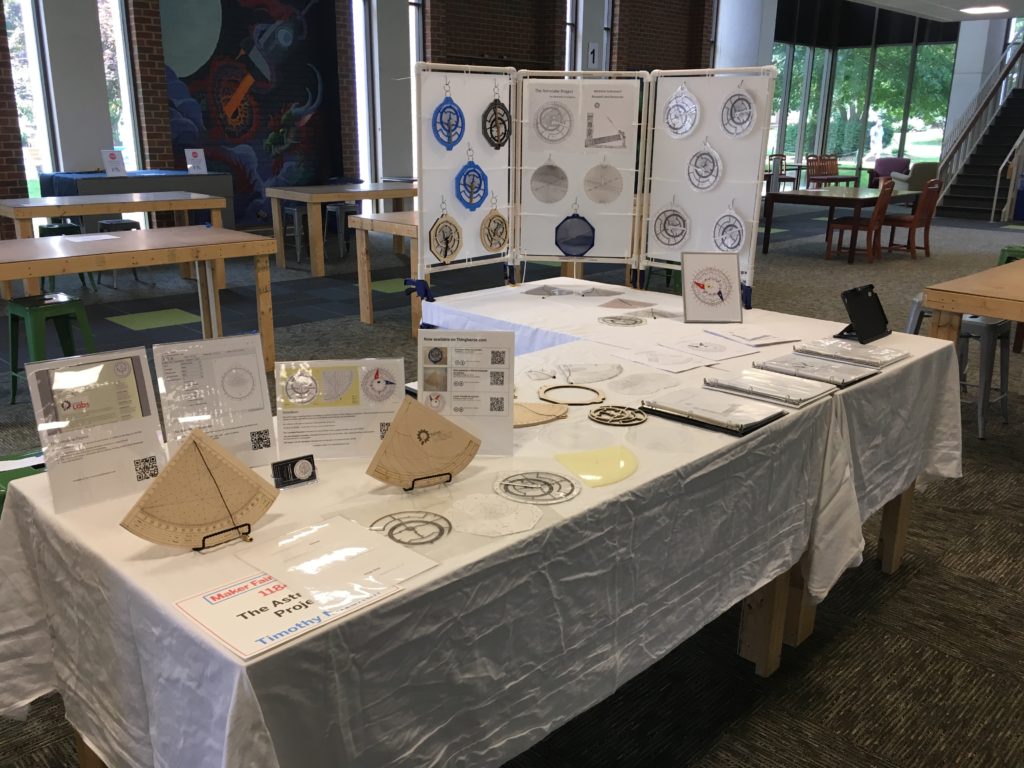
x=289, y=472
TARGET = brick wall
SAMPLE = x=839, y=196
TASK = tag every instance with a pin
x=349, y=139
x=146, y=52
x=661, y=34
x=526, y=34
x=12, y=164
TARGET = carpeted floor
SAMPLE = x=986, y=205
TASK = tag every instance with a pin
x=921, y=669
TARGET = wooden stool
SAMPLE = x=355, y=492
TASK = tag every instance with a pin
x=64, y=228
x=35, y=311
x=119, y=225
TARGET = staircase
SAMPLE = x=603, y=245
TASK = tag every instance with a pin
x=969, y=196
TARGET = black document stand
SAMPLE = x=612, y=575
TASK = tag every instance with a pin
x=867, y=318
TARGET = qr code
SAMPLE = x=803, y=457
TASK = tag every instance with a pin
x=384, y=426
x=146, y=469
x=259, y=439
x=497, y=378
x=497, y=405
x=497, y=357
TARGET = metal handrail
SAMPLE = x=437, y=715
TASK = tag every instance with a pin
x=1014, y=175
x=960, y=143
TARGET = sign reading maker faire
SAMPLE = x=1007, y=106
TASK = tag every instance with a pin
x=259, y=613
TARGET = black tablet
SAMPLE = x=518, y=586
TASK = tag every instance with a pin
x=867, y=318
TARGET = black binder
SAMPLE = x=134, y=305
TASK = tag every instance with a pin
x=867, y=318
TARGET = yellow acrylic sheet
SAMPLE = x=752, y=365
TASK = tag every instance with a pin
x=602, y=466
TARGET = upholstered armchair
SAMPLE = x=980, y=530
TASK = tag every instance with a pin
x=914, y=180
x=885, y=166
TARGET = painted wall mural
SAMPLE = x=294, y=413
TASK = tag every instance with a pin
x=255, y=84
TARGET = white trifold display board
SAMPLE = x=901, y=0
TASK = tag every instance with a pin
x=707, y=133
x=580, y=141
x=472, y=91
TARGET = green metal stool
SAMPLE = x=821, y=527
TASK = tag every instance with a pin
x=119, y=225
x=10, y=475
x=35, y=311
x=1008, y=254
x=64, y=228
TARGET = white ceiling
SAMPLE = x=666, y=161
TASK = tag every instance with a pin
x=947, y=10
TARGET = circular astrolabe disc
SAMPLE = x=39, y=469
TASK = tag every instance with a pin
x=445, y=238
x=574, y=235
x=603, y=184
x=300, y=387
x=711, y=285
x=238, y=383
x=302, y=469
x=682, y=112
x=537, y=487
x=494, y=232
x=617, y=415
x=671, y=227
x=549, y=183
x=738, y=114
x=704, y=169
x=553, y=122
x=413, y=528
x=729, y=232
x=570, y=394
x=622, y=321
x=471, y=186
x=497, y=124
x=448, y=124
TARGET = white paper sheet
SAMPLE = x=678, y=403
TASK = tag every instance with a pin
x=707, y=347
x=662, y=358
x=750, y=335
x=89, y=238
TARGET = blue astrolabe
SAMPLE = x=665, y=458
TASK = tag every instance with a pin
x=448, y=123
x=471, y=185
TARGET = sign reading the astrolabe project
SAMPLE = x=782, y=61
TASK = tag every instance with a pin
x=337, y=408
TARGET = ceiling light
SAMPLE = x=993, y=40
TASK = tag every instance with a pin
x=978, y=10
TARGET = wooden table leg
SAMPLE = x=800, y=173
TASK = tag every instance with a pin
x=363, y=273
x=945, y=325
x=416, y=305
x=86, y=757
x=769, y=210
x=800, y=611
x=572, y=269
x=220, y=277
x=892, y=539
x=187, y=269
x=315, y=213
x=275, y=217
x=398, y=204
x=853, y=233
x=762, y=623
x=264, y=310
x=32, y=286
x=209, y=301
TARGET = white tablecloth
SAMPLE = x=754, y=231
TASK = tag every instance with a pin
x=472, y=662
x=888, y=431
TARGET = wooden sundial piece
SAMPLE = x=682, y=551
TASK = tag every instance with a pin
x=421, y=448
x=534, y=414
x=202, y=492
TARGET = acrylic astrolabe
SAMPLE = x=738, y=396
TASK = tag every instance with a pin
x=471, y=183
x=671, y=226
x=711, y=285
x=682, y=112
x=729, y=232
x=413, y=528
x=497, y=122
x=574, y=235
x=537, y=487
x=738, y=114
x=445, y=236
x=553, y=122
x=448, y=123
x=704, y=169
x=204, y=496
x=421, y=448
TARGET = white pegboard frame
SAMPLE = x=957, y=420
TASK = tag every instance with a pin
x=427, y=262
x=747, y=254
x=628, y=259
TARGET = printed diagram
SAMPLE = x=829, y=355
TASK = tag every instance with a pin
x=604, y=133
x=738, y=114
x=711, y=286
x=553, y=122
x=301, y=388
x=379, y=384
x=337, y=382
x=729, y=232
x=603, y=184
x=671, y=227
x=549, y=183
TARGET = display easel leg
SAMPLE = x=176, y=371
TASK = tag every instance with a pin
x=86, y=757
x=800, y=611
x=363, y=272
x=762, y=622
x=892, y=539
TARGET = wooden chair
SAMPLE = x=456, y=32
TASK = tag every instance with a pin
x=871, y=227
x=777, y=164
x=921, y=218
x=817, y=171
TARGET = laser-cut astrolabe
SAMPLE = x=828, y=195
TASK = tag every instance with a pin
x=738, y=114
x=202, y=491
x=494, y=232
x=497, y=124
x=704, y=169
x=672, y=226
x=471, y=186
x=448, y=123
x=533, y=414
x=537, y=487
x=421, y=448
x=445, y=238
x=682, y=113
x=729, y=232
x=617, y=415
x=413, y=528
x=574, y=235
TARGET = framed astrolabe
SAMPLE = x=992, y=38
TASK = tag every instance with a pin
x=553, y=122
x=445, y=237
x=671, y=226
x=448, y=123
x=682, y=113
x=602, y=184
x=494, y=230
x=711, y=288
x=739, y=113
x=704, y=169
x=549, y=183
